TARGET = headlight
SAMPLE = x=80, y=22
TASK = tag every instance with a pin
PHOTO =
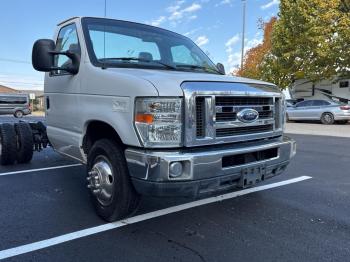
x=158, y=121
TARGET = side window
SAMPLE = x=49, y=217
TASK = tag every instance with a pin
x=320, y=103
x=67, y=40
x=182, y=55
x=15, y=100
x=344, y=84
x=305, y=103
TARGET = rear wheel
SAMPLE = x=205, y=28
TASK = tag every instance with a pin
x=327, y=119
x=112, y=192
x=18, y=114
x=7, y=144
x=24, y=142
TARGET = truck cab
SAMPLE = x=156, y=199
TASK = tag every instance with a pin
x=149, y=113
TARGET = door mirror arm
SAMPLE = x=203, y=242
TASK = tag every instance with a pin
x=74, y=68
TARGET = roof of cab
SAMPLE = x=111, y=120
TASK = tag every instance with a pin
x=67, y=20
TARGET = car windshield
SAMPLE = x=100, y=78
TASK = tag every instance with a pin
x=113, y=43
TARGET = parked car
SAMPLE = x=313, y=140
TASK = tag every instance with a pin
x=328, y=112
x=15, y=104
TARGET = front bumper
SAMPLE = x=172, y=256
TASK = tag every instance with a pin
x=203, y=169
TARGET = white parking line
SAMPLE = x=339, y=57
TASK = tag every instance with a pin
x=105, y=227
x=38, y=169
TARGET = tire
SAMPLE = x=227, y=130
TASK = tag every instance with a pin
x=24, y=142
x=18, y=114
x=7, y=144
x=327, y=119
x=112, y=193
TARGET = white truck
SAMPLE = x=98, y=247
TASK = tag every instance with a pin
x=149, y=113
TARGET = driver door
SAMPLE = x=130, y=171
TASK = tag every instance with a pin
x=62, y=96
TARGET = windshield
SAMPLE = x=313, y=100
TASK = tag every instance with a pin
x=113, y=43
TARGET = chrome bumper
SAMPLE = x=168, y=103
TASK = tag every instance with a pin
x=202, y=168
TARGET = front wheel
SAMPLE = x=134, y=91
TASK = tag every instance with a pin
x=327, y=119
x=112, y=192
x=18, y=114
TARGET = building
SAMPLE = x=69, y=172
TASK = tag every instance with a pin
x=338, y=90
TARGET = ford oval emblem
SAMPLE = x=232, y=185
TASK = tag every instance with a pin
x=248, y=115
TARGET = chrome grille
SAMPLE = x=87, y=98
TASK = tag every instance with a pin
x=211, y=112
x=222, y=132
x=239, y=101
x=200, y=117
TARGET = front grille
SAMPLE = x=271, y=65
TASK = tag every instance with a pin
x=223, y=132
x=216, y=118
x=241, y=101
x=230, y=106
x=232, y=116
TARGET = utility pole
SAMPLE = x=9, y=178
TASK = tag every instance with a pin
x=105, y=9
x=243, y=32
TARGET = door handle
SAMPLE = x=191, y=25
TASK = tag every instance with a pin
x=47, y=103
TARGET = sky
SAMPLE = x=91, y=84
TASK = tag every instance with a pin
x=215, y=25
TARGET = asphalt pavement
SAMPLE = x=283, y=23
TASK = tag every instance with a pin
x=304, y=221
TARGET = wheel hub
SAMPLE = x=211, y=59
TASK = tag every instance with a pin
x=101, y=180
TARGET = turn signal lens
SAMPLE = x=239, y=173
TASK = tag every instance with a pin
x=144, y=118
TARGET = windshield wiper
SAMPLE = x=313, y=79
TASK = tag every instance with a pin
x=140, y=60
x=207, y=69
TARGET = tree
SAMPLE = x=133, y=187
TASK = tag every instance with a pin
x=255, y=56
x=310, y=39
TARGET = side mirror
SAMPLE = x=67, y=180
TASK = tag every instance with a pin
x=43, y=57
x=221, y=68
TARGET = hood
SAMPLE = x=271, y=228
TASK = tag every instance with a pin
x=168, y=83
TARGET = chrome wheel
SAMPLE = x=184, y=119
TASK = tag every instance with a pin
x=327, y=119
x=19, y=114
x=101, y=180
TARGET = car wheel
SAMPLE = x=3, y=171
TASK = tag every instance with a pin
x=112, y=192
x=7, y=144
x=19, y=114
x=327, y=119
x=24, y=142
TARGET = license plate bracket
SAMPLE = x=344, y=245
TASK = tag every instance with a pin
x=251, y=176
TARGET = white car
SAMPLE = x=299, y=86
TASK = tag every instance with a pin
x=328, y=112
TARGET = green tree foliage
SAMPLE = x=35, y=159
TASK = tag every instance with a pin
x=311, y=39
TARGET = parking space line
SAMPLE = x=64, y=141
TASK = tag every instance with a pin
x=170, y=210
x=38, y=169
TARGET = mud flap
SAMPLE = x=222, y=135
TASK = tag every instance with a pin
x=251, y=176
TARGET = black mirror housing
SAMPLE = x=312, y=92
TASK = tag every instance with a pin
x=221, y=68
x=43, y=57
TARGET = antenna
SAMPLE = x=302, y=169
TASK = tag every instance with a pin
x=104, y=34
x=243, y=32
